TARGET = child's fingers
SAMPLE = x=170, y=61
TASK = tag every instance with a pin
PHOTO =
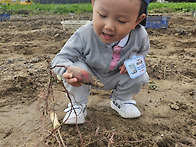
x=67, y=75
x=72, y=81
x=123, y=69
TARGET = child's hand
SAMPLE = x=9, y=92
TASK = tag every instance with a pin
x=70, y=79
x=123, y=69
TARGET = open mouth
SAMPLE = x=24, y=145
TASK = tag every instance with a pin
x=107, y=36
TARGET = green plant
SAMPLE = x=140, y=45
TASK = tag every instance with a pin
x=82, y=8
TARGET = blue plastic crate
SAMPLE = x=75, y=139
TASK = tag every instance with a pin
x=4, y=17
x=157, y=22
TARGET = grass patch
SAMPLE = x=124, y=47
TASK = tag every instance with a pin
x=46, y=8
x=179, y=7
x=82, y=8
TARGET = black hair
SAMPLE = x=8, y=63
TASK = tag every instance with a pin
x=143, y=8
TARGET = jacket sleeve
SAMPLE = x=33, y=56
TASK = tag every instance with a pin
x=145, y=45
x=71, y=52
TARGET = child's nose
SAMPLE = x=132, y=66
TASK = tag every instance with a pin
x=109, y=26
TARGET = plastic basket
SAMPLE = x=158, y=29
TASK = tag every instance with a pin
x=194, y=13
x=4, y=17
x=157, y=22
x=73, y=24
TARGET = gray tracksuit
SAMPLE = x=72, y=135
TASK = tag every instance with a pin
x=85, y=49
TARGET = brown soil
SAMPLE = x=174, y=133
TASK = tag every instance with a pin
x=167, y=103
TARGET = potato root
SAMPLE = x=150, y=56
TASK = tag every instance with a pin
x=54, y=120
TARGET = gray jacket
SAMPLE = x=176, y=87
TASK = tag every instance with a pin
x=85, y=45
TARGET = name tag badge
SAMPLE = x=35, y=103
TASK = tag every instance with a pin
x=135, y=66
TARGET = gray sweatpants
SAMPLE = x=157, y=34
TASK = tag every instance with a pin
x=122, y=85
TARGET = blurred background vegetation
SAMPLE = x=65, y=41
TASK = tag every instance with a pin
x=83, y=6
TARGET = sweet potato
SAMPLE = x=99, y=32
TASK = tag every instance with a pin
x=82, y=76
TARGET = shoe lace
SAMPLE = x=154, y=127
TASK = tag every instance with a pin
x=81, y=107
x=131, y=102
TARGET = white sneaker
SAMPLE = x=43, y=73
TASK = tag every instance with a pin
x=126, y=109
x=75, y=114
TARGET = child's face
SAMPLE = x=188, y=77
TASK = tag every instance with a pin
x=114, y=19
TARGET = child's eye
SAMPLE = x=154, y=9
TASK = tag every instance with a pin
x=121, y=21
x=102, y=15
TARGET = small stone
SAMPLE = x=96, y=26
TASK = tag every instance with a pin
x=174, y=106
x=9, y=60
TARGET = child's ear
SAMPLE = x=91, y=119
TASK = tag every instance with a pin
x=142, y=17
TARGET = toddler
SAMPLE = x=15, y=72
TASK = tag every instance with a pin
x=101, y=47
